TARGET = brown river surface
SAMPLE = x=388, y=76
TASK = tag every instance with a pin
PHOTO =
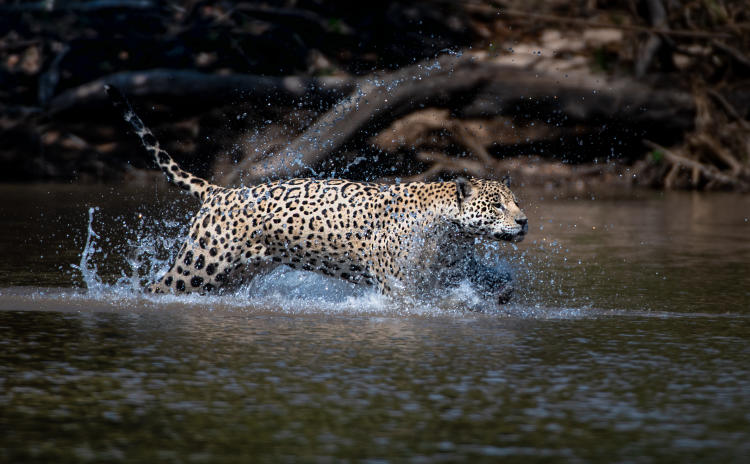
x=628, y=340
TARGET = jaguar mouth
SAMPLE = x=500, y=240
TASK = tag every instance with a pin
x=511, y=236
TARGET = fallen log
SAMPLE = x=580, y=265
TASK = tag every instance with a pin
x=49, y=6
x=497, y=90
x=477, y=89
x=212, y=89
x=581, y=97
x=376, y=102
x=470, y=87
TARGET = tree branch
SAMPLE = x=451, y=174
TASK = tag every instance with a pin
x=376, y=102
x=709, y=172
x=529, y=16
x=217, y=89
x=479, y=90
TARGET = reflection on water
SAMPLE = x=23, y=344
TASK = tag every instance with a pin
x=670, y=251
x=628, y=341
x=190, y=383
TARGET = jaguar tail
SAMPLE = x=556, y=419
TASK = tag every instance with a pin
x=200, y=188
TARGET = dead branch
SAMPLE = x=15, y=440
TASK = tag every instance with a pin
x=6, y=47
x=729, y=108
x=49, y=79
x=442, y=163
x=737, y=55
x=376, y=102
x=529, y=171
x=478, y=89
x=217, y=89
x=52, y=5
x=658, y=19
x=672, y=174
x=581, y=97
x=466, y=138
x=294, y=15
x=531, y=17
x=710, y=172
x=716, y=150
x=489, y=89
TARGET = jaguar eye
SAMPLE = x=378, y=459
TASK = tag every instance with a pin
x=499, y=206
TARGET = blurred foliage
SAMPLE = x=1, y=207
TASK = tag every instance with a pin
x=50, y=47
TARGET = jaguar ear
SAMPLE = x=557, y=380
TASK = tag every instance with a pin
x=463, y=189
x=506, y=181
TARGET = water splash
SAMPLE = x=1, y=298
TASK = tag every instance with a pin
x=150, y=246
x=86, y=266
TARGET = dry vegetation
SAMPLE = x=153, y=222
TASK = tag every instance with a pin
x=554, y=93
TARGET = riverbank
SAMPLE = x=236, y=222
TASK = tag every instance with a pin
x=571, y=92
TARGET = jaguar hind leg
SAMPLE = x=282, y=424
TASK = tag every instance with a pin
x=205, y=267
x=190, y=272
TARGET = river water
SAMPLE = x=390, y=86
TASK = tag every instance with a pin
x=628, y=341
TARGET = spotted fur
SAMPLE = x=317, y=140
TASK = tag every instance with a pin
x=392, y=236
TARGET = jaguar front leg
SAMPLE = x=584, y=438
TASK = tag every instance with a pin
x=491, y=281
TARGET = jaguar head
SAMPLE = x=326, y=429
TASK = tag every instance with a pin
x=488, y=208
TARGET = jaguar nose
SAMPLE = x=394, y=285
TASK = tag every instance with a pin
x=522, y=221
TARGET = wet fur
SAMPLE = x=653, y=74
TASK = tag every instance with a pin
x=392, y=236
